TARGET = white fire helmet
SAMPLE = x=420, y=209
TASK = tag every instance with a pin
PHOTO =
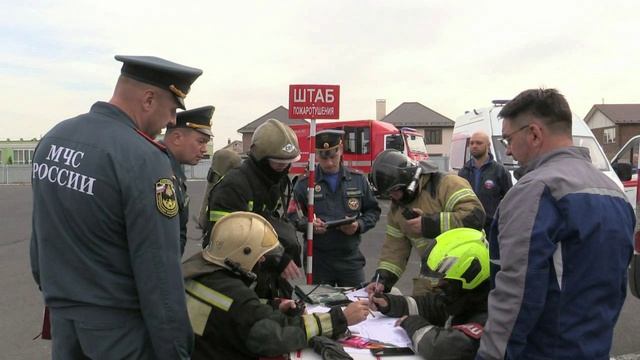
x=243, y=238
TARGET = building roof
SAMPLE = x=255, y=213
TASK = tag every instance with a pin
x=415, y=114
x=21, y=141
x=280, y=113
x=618, y=113
x=233, y=144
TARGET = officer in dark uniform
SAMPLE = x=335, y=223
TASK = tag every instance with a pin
x=227, y=316
x=104, y=247
x=339, y=192
x=187, y=144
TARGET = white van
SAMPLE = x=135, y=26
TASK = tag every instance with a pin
x=628, y=156
x=487, y=120
x=625, y=162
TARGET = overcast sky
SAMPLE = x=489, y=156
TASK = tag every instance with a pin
x=56, y=57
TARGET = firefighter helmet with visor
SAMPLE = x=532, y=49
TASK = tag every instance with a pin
x=392, y=170
x=461, y=254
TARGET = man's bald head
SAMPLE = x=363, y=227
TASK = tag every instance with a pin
x=479, y=145
x=150, y=107
x=481, y=136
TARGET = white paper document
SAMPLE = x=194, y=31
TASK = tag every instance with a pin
x=382, y=329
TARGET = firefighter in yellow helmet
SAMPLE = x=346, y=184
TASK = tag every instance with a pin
x=261, y=185
x=228, y=318
x=447, y=324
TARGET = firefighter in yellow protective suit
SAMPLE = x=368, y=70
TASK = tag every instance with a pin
x=424, y=203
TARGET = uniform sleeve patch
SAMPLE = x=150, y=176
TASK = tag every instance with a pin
x=353, y=203
x=166, y=200
x=472, y=330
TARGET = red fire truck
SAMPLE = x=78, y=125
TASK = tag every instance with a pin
x=363, y=141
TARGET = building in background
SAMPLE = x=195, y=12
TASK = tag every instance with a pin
x=17, y=152
x=613, y=125
x=235, y=145
x=437, y=128
x=280, y=113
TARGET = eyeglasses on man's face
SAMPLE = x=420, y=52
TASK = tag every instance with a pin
x=506, y=139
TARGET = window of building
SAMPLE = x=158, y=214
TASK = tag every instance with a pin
x=22, y=156
x=433, y=136
x=609, y=136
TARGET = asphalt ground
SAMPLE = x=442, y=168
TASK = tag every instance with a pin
x=21, y=303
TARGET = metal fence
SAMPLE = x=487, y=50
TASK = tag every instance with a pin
x=21, y=174
x=198, y=171
x=15, y=174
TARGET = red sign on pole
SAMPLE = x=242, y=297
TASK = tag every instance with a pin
x=314, y=101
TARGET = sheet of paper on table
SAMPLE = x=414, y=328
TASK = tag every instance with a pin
x=380, y=328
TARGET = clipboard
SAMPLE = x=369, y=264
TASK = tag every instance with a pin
x=335, y=223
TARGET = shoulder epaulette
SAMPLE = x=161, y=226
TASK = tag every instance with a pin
x=152, y=141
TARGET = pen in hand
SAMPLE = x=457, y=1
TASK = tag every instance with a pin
x=376, y=292
x=372, y=315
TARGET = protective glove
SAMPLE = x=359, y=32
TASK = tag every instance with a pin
x=328, y=349
x=383, y=309
x=413, y=323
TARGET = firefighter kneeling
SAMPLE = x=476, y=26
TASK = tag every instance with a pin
x=447, y=324
x=226, y=315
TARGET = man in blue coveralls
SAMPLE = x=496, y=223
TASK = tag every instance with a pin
x=340, y=192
